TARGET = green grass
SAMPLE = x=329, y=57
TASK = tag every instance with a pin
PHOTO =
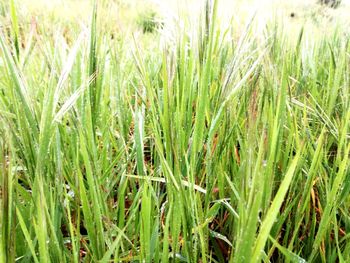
x=212, y=148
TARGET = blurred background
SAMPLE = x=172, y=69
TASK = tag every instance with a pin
x=125, y=16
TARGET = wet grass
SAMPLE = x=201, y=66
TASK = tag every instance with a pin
x=208, y=148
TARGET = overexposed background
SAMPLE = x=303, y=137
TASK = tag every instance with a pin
x=122, y=15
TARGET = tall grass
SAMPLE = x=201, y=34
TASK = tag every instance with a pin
x=211, y=149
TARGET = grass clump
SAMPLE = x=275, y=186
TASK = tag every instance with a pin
x=149, y=21
x=211, y=149
x=331, y=3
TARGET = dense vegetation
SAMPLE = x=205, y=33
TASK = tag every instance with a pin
x=211, y=148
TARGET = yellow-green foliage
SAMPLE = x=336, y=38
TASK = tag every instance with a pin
x=210, y=140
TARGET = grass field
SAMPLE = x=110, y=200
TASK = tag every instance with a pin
x=129, y=134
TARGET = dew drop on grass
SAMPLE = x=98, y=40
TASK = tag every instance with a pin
x=264, y=163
